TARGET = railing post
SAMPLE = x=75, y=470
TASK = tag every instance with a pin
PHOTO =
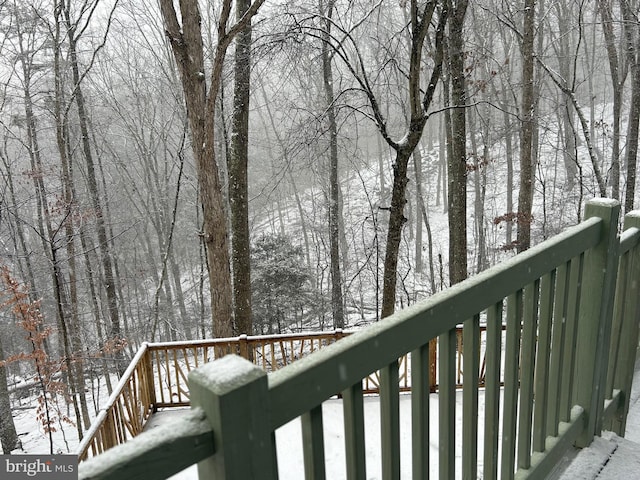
x=244, y=349
x=628, y=342
x=595, y=314
x=234, y=395
x=147, y=361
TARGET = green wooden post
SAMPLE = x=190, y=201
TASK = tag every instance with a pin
x=313, y=444
x=527, y=363
x=353, y=408
x=234, y=395
x=390, y=421
x=447, y=405
x=420, y=389
x=594, y=324
x=492, y=391
x=471, y=368
x=623, y=375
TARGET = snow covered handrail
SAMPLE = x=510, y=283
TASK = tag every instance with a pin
x=157, y=378
x=172, y=361
x=168, y=448
x=129, y=406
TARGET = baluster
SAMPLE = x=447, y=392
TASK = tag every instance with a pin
x=529, y=333
x=556, y=366
x=512, y=353
x=471, y=368
x=420, y=390
x=313, y=444
x=390, y=421
x=447, y=403
x=353, y=407
x=492, y=390
x=541, y=405
x=569, y=348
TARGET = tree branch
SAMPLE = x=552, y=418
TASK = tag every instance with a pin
x=583, y=122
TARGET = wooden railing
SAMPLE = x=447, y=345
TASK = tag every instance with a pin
x=565, y=341
x=128, y=408
x=172, y=361
x=157, y=378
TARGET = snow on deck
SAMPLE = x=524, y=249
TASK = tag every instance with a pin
x=289, y=439
x=608, y=457
x=611, y=457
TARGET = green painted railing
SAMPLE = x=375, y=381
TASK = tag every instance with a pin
x=568, y=358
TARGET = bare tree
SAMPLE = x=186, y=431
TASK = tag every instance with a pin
x=200, y=97
x=419, y=99
x=632, y=46
x=457, y=164
x=525, y=195
x=334, y=193
x=238, y=181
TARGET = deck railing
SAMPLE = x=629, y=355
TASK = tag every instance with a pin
x=157, y=378
x=566, y=360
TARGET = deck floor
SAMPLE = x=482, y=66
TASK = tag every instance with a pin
x=609, y=457
x=289, y=439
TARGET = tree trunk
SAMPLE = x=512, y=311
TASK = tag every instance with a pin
x=201, y=101
x=563, y=48
x=92, y=183
x=480, y=162
x=337, y=305
x=238, y=177
x=525, y=195
x=75, y=335
x=632, y=45
x=443, y=144
x=604, y=7
x=8, y=437
x=632, y=138
x=417, y=169
x=394, y=232
x=457, y=165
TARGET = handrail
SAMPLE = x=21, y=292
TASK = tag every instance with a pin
x=172, y=361
x=172, y=448
x=130, y=404
x=629, y=239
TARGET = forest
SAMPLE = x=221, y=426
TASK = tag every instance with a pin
x=198, y=169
